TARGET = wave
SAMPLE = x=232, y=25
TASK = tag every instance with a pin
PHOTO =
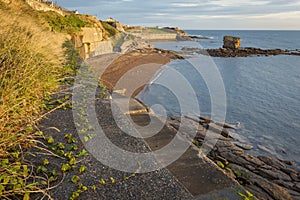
x=202, y=37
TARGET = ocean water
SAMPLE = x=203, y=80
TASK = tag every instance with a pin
x=262, y=93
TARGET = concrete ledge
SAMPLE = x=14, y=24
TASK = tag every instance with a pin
x=197, y=174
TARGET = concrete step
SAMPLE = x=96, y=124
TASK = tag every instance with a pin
x=129, y=106
x=199, y=175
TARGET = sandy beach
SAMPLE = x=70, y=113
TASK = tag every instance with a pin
x=131, y=71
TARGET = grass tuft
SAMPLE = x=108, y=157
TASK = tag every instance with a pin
x=30, y=66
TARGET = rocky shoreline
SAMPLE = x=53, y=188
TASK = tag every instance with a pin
x=241, y=52
x=263, y=176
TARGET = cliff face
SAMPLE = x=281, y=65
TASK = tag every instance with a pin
x=116, y=24
x=89, y=40
x=90, y=34
x=45, y=7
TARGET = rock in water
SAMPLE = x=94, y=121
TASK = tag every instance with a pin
x=230, y=42
x=218, y=129
x=243, y=146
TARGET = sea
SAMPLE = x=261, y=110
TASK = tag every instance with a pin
x=260, y=93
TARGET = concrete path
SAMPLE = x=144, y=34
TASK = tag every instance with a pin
x=199, y=175
x=190, y=177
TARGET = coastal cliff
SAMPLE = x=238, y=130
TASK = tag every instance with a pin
x=86, y=31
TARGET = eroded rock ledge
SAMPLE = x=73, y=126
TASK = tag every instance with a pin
x=241, y=52
x=265, y=177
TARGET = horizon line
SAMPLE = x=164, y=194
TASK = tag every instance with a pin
x=239, y=29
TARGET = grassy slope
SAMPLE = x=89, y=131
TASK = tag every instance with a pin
x=32, y=60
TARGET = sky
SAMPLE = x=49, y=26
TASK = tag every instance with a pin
x=196, y=14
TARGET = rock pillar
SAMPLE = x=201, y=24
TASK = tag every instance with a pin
x=230, y=42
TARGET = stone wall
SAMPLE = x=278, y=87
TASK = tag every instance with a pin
x=102, y=48
x=230, y=42
x=89, y=40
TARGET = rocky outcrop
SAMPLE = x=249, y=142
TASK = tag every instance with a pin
x=176, y=30
x=231, y=48
x=45, y=6
x=114, y=23
x=249, y=51
x=265, y=177
x=231, y=42
x=241, y=52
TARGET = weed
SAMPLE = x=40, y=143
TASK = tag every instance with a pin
x=82, y=153
x=73, y=60
x=65, y=167
x=220, y=164
x=247, y=196
x=45, y=162
x=75, y=179
x=82, y=169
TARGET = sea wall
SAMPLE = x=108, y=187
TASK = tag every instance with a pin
x=102, y=48
x=155, y=36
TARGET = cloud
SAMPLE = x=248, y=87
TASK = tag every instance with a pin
x=240, y=3
x=191, y=13
x=185, y=4
x=283, y=15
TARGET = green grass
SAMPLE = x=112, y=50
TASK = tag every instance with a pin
x=156, y=31
x=26, y=76
x=68, y=24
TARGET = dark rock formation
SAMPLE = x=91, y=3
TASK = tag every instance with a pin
x=177, y=30
x=241, y=52
x=265, y=177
